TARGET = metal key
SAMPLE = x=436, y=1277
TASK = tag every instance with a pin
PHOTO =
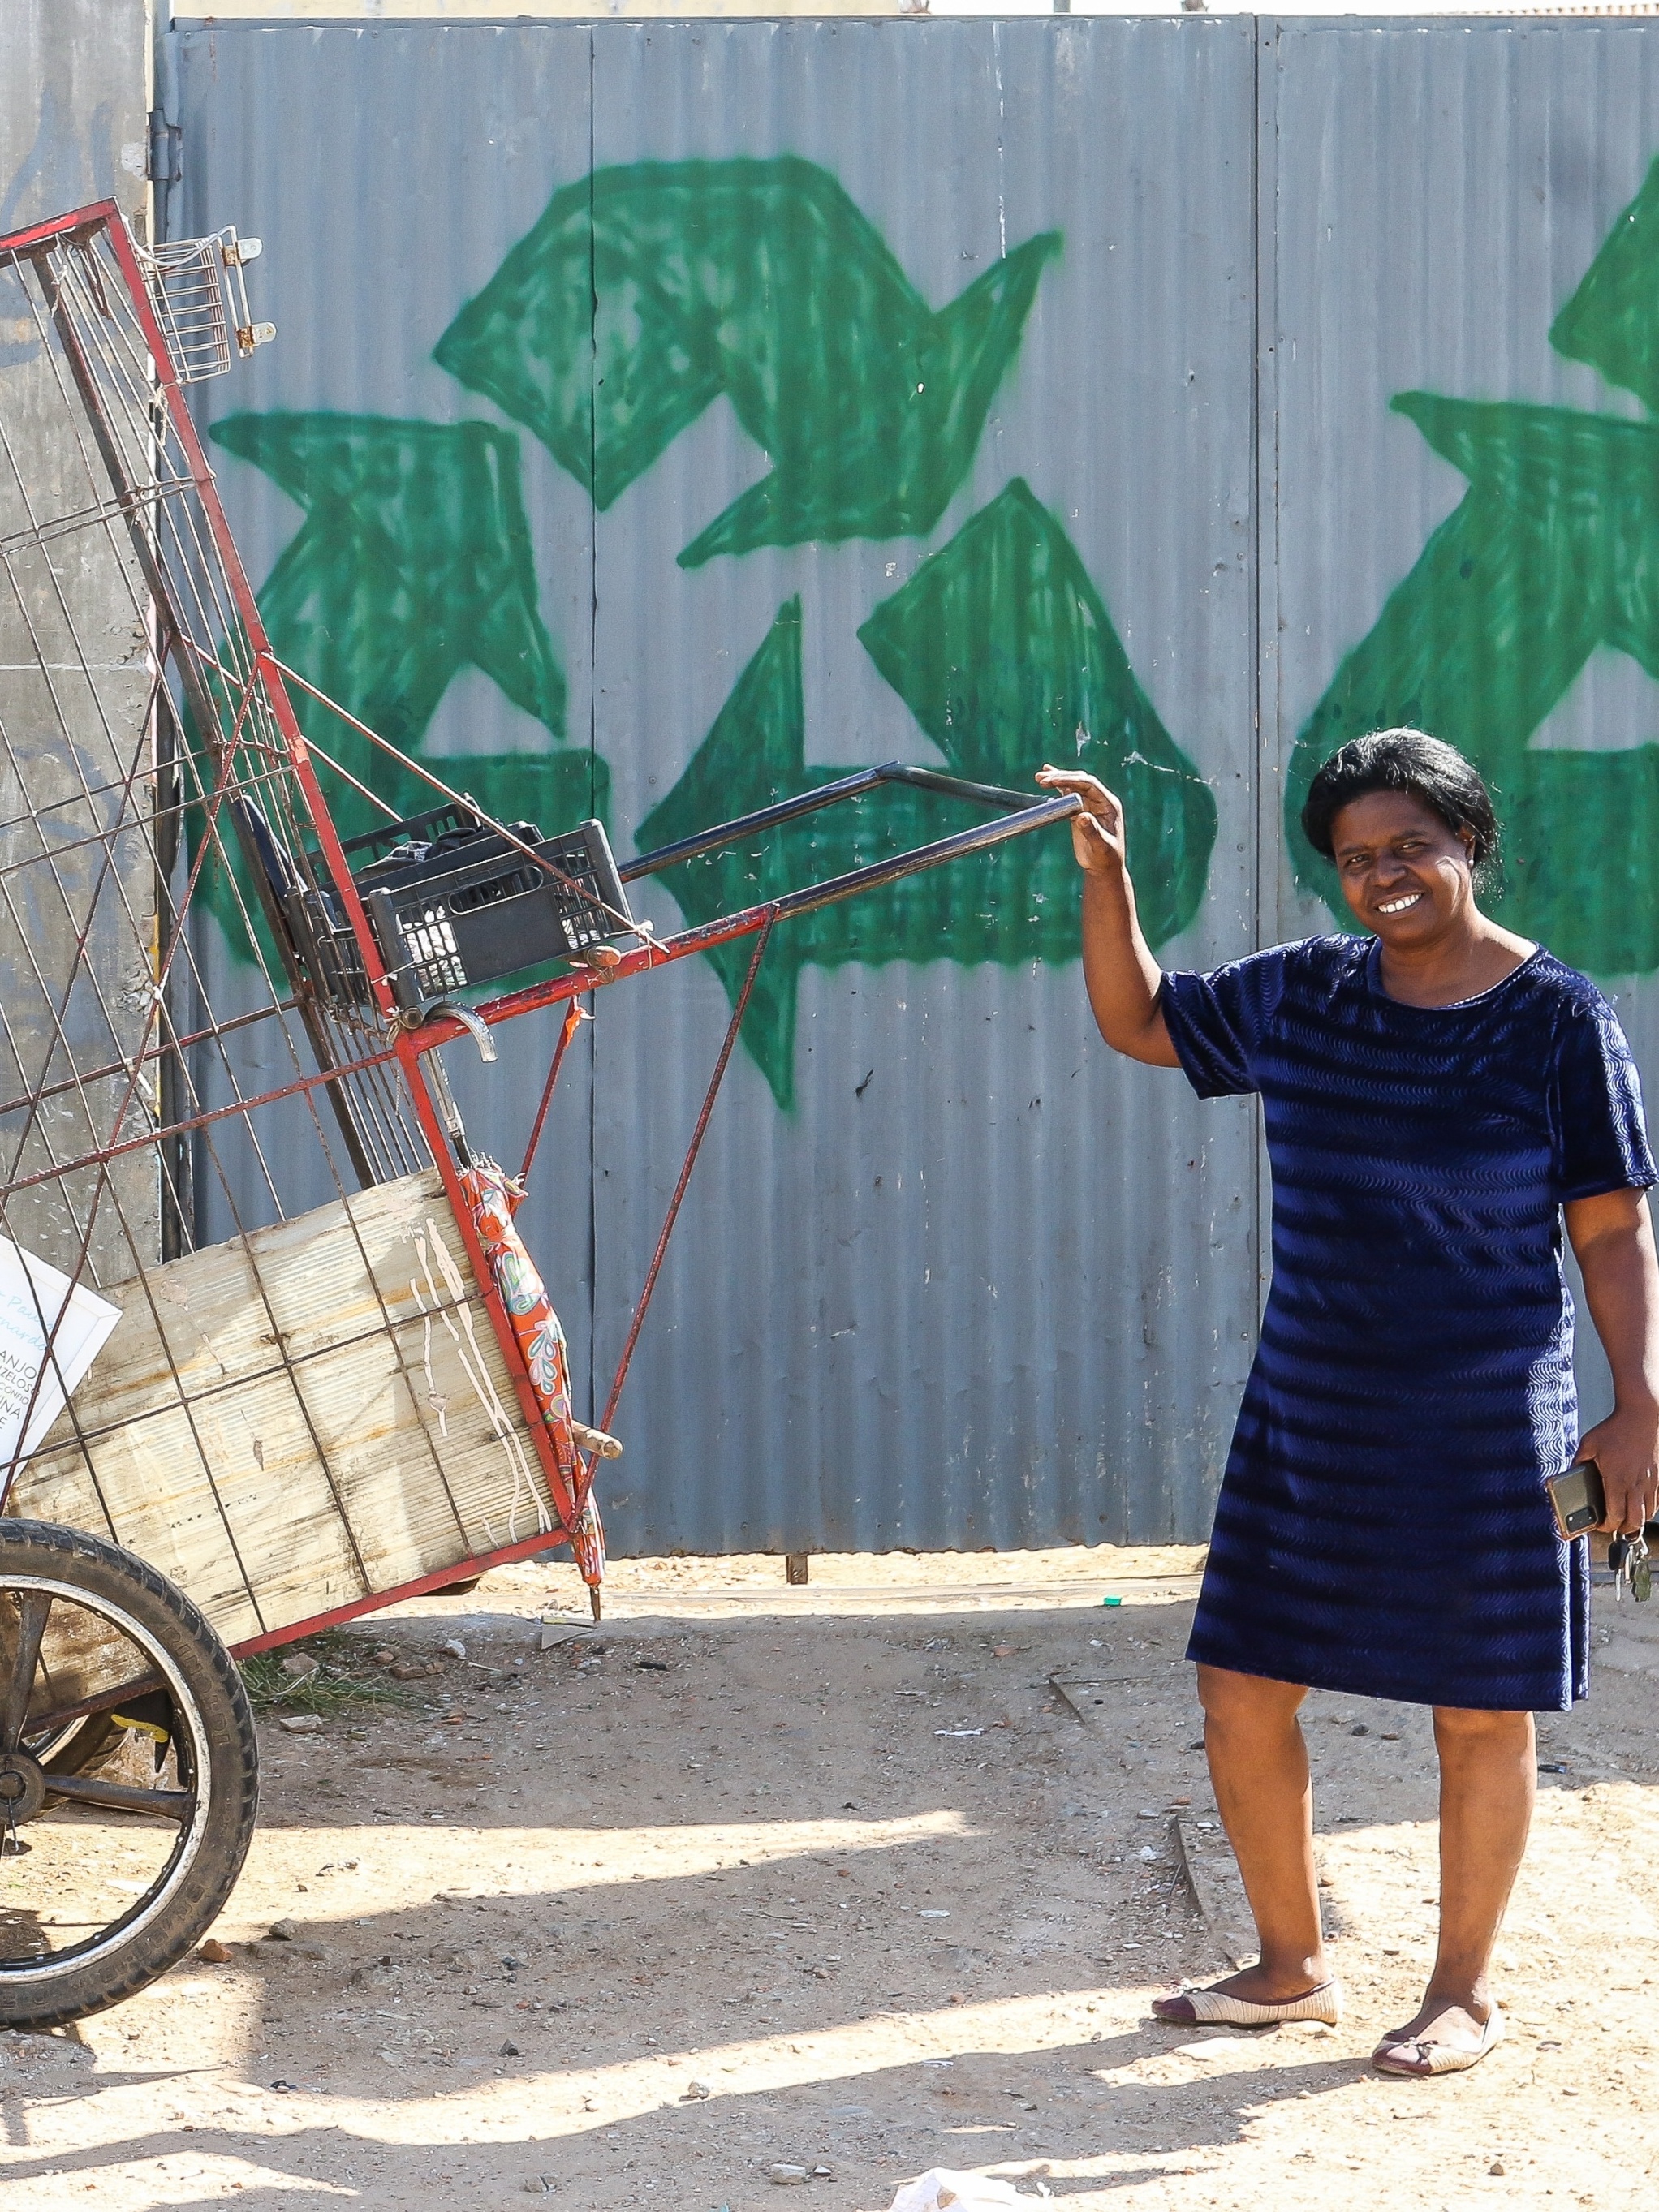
x=1639, y=1569
x=1618, y=1564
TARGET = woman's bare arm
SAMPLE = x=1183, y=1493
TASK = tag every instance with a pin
x=1118, y=967
x=1612, y=1239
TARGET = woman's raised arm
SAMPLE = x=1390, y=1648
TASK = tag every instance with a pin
x=1118, y=967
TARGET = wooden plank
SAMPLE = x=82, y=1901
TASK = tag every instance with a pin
x=217, y=1477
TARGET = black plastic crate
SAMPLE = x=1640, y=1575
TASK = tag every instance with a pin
x=454, y=904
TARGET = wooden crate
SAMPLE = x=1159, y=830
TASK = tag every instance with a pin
x=388, y=1444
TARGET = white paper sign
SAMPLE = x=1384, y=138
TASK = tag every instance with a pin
x=34, y=1299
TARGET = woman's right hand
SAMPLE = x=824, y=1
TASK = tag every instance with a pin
x=1097, y=832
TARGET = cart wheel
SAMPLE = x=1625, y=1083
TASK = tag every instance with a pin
x=105, y=1883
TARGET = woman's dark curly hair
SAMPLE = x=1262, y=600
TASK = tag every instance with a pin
x=1401, y=760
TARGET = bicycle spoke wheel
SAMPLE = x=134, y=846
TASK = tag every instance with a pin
x=128, y=1774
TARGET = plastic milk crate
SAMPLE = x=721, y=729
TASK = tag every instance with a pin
x=452, y=902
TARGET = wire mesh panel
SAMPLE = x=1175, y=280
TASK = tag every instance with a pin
x=232, y=1172
x=322, y=1409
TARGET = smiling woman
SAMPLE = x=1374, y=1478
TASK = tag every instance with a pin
x=1438, y=1095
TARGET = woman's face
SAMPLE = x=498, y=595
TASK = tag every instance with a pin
x=1406, y=875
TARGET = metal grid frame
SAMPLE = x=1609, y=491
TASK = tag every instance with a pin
x=219, y=731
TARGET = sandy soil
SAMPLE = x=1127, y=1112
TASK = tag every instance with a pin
x=831, y=1877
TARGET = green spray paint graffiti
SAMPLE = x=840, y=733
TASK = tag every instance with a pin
x=1001, y=647
x=1550, y=553
x=645, y=292
x=641, y=295
x=414, y=563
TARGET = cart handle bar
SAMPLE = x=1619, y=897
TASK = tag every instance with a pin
x=1032, y=815
x=826, y=794
x=654, y=953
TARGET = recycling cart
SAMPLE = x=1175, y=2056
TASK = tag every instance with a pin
x=272, y=1351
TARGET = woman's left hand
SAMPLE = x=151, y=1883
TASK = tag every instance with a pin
x=1625, y=1447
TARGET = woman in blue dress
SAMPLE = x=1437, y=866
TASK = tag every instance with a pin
x=1438, y=1095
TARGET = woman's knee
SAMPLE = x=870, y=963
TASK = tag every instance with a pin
x=1473, y=1727
x=1241, y=1703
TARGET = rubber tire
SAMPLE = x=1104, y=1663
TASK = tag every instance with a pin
x=40, y=1547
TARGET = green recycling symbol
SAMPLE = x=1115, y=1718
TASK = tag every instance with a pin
x=641, y=295
x=1553, y=552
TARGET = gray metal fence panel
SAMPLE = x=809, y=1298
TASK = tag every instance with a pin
x=943, y=1298
x=413, y=554
x=1459, y=487
x=949, y=1273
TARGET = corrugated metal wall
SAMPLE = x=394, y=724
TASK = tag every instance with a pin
x=949, y=1274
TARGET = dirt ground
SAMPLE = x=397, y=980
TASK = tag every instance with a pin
x=832, y=1877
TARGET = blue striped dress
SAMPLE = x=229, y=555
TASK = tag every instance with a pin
x=1382, y=1529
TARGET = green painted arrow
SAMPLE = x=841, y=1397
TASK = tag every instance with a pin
x=1001, y=647
x=645, y=292
x=1612, y=320
x=414, y=561
x=1553, y=551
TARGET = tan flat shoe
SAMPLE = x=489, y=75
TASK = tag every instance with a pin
x=1420, y=2056
x=1206, y=2007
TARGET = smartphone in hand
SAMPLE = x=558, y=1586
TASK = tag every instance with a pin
x=1578, y=1499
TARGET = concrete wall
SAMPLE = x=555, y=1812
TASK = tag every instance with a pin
x=73, y=129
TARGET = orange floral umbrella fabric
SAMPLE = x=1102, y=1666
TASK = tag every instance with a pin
x=494, y=1200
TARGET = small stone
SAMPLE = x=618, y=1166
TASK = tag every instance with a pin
x=318, y=1951
x=453, y=1648
x=509, y=2049
x=213, y=1952
x=1497, y=2168
x=695, y=2090
x=302, y=1723
x=285, y=1931
x=409, y=1671
x=299, y=1665
x=385, y=1655
x=783, y=2174
x=1359, y=1728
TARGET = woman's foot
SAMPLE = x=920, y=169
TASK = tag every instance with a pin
x=1257, y=1998
x=1446, y=2037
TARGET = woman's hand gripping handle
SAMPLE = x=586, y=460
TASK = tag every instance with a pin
x=1122, y=977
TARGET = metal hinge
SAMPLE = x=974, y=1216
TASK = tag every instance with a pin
x=167, y=148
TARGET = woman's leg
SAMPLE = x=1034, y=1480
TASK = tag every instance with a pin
x=1488, y=1780
x=1259, y=1765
